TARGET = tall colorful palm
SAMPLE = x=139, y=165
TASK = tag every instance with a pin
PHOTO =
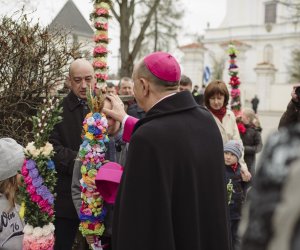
x=234, y=82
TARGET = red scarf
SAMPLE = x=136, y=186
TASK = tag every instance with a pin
x=234, y=167
x=242, y=128
x=220, y=113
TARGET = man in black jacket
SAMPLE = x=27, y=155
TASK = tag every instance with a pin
x=172, y=193
x=255, y=102
x=292, y=114
x=66, y=139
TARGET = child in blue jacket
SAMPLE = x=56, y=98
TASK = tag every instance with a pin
x=232, y=153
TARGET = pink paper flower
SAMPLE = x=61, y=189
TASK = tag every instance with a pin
x=36, y=198
x=87, y=211
x=30, y=189
x=48, y=210
x=235, y=93
x=24, y=171
x=100, y=25
x=101, y=37
x=101, y=11
x=99, y=65
x=101, y=76
x=41, y=243
x=105, y=26
x=43, y=204
x=28, y=180
x=100, y=50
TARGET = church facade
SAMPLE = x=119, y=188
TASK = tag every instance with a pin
x=265, y=35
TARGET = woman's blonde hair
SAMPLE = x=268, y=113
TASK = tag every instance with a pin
x=252, y=117
x=8, y=187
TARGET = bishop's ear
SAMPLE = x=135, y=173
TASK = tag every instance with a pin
x=145, y=86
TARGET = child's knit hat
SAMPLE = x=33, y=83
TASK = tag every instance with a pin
x=12, y=158
x=234, y=147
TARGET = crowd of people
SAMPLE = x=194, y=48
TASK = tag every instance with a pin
x=189, y=164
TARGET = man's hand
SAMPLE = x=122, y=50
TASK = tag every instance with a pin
x=246, y=176
x=90, y=239
x=117, y=112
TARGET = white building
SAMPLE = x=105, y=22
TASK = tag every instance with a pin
x=265, y=35
x=71, y=20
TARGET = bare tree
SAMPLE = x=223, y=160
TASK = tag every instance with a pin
x=217, y=67
x=33, y=62
x=124, y=12
x=294, y=16
x=163, y=29
x=294, y=69
x=293, y=7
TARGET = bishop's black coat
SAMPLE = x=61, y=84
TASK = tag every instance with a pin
x=172, y=193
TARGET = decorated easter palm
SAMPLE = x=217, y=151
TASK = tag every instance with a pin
x=93, y=148
x=39, y=180
x=234, y=81
x=100, y=16
x=92, y=155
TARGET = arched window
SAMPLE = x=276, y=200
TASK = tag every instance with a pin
x=268, y=54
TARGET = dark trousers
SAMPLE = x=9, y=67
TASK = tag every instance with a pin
x=236, y=242
x=106, y=243
x=65, y=232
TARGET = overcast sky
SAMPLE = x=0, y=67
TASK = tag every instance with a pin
x=197, y=14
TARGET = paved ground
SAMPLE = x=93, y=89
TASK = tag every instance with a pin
x=269, y=122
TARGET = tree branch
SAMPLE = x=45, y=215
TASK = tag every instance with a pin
x=115, y=14
x=131, y=14
x=144, y=27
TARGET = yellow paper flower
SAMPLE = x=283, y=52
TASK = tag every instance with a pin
x=85, y=127
x=22, y=210
x=102, y=5
x=89, y=136
x=89, y=115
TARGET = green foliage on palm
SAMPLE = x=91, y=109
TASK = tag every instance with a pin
x=47, y=117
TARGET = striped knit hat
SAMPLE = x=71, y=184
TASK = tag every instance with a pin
x=234, y=147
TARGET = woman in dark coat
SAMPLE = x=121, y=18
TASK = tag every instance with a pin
x=250, y=132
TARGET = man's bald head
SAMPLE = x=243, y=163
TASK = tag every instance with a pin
x=79, y=63
x=81, y=76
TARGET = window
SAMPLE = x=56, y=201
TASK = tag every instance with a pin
x=268, y=54
x=270, y=12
